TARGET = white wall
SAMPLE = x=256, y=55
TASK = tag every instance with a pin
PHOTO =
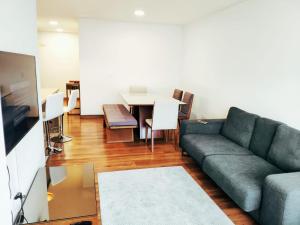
x=246, y=56
x=59, y=59
x=114, y=56
x=18, y=34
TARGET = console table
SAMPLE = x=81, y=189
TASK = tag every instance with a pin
x=61, y=192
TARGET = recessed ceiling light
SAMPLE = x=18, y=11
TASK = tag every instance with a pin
x=60, y=30
x=139, y=12
x=53, y=23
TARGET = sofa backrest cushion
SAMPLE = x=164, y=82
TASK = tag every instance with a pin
x=263, y=134
x=239, y=126
x=285, y=149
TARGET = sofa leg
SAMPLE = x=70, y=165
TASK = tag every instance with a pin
x=183, y=153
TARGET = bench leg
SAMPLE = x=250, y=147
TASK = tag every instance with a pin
x=152, y=140
x=166, y=133
x=146, y=137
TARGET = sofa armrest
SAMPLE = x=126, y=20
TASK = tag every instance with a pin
x=281, y=199
x=213, y=126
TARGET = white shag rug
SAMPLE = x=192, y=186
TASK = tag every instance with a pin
x=156, y=196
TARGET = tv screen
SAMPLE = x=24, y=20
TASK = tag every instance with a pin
x=19, y=100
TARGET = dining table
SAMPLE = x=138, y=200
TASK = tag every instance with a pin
x=141, y=105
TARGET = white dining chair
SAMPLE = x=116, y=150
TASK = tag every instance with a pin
x=138, y=89
x=53, y=109
x=61, y=138
x=164, y=118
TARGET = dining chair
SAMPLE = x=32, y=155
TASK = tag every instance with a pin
x=177, y=94
x=61, y=138
x=164, y=117
x=185, y=110
x=53, y=109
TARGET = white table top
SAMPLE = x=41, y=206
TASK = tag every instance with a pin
x=145, y=99
x=45, y=92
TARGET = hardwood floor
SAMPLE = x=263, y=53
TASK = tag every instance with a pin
x=88, y=146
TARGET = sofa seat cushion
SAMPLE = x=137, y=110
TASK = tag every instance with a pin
x=263, y=135
x=200, y=145
x=239, y=126
x=285, y=149
x=240, y=176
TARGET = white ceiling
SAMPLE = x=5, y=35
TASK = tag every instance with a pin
x=67, y=12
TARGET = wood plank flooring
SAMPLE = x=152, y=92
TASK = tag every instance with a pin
x=88, y=146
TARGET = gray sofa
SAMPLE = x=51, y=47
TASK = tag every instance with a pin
x=254, y=160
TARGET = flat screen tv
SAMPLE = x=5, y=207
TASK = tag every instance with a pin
x=19, y=99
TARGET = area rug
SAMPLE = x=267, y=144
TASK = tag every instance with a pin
x=156, y=196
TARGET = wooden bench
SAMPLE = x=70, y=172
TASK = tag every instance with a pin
x=119, y=123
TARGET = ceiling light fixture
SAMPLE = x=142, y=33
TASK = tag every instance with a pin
x=53, y=23
x=60, y=30
x=139, y=12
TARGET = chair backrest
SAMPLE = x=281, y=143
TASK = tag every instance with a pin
x=135, y=89
x=165, y=114
x=73, y=100
x=177, y=94
x=54, y=106
x=188, y=100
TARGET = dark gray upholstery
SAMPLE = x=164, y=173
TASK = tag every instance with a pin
x=240, y=176
x=197, y=127
x=239, y=126
x=263, y=135
x=199, y=146
x=281, y=200
x=285, y=149
x=255, y=179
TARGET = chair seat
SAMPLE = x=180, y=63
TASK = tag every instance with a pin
x=182, y=116
x=45, y=119
x=149, y=122
x=240, y=176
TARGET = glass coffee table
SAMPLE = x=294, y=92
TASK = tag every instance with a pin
x=61, y=192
